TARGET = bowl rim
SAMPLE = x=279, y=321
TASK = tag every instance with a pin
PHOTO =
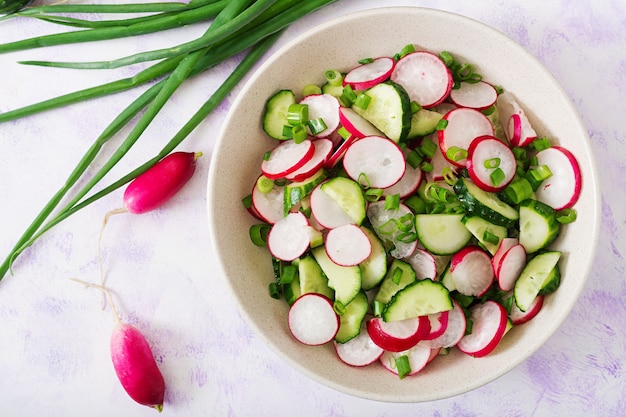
x=591, y=181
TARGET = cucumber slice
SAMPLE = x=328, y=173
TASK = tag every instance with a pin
x=552, y=282
x=447, y=280
x=292, y=290
x=275, y=116
x=395, y=281
x=423, y=122
x=345, y=280
x=442, y=234
x=348, y=195
x=538, y=226
x=536, y=274
x=312, y=278
x=333, y=90
x=479, y=226
x=485, y=204
x=374, y=268
x=389, y=110
x=420, y=298
x=352, y=318
x=296, y=191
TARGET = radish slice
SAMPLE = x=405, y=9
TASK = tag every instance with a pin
x=423, y=262
x=481, y=152
x=419, y=356
x=438, y=324
x=289, y=237
x=562, y=189
x=271, y=205
x=340, y=152
x=375, y=159
x=408, y=184
x=312, y=319
x=356, y=124
x=425, y=78
x=439, y=163
x=471, y=271
x=455, y=329
x=510, y=266
x=359, y=351
x=518, y=316
x=479, y=96
x=347, y=245
x=323, y=148
x=464, y=125
x=325, y=107
x=489, y=324
x=326, y=211
x=378, y=216
x=505, y=244
x=368, y=75
x=287, y=158
x=519, y=131
x=396, y=336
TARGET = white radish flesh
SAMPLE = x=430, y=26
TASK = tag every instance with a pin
x=505, y=244
x=374, y=159
x=562, y=189
x=324, y=107
x=338, y=154
x=518, y=129
x=270, y=206
x=287, y=158
x=408, y=184
x=347, y=245
x=464, y=125
x=397, y=336
x=323, y=148
x=378, y=216
x=425, y=78
x=423, y=263
x=455, y=328
x=490, y=148
x=326, y=211
x=488, y=326
x=471, y=271
x=438, y=324
x=359, y=351
x=418, y=356
x=312, y=319
x=356, y=124
x=520, y=317
x=509, y=267
x=479, y=96
x=369, y=74
x=289, y=237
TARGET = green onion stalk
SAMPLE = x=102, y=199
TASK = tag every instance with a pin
x=234, y=27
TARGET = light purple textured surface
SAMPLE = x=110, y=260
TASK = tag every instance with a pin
x=54, y=359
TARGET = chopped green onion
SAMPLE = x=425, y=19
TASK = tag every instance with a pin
x=519, y=190
x=280, y=181
x=266, y=155
x=396, y=275
x=407, y=237
x=288, y=274
x=520, y=153
x=377, y=308
x=489, y=110
x=490, y=238
x=403, y=366
x=288, y=131
x=311, y=89
x=274, y=289
x=299, y=133
x=465, y=71
x=333, y=77
x=363, y=181
x=454, y=153
x=469, y=326
x=362, y=101
x=447, y=58
x=317, y=126
x=415, y=107
x=540, y=144
x=497, y=176
x=463, y=300
x=258, y=234
x=442, y=124
x=414, y=158
x=297, y=114
x=306, y=211
x=365, y=61
x=426, y=166
x=437, y=208
x=541, y=173
x=416, y=204
x=388, y=228
x=455, y=209
x=533, y=161
x=507, y=303
x=405, y=222
x=392, y=202
x=247, y=201
x=348, y=96
x=428, y=148
x=492, y=163
x=449, y=176
x=264, y=184
x=566, y=216
x=373, y=194
x=499, y=89
x=344, y=133
x=407, y=49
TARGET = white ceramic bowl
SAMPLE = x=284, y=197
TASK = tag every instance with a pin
x=339, y=44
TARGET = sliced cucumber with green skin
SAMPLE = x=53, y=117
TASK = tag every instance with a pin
x=348, y=195
x=442, y=234
x=312, y=278
x=344, y=280
x=552, y=282
x=374, y=268
x=333, y=90
x=536, y=275
x=538, y=226
x=352, y=318
x=485, y=204
x=275, y=116
x=389, y=110
x=479, y=226
x=395, y=281
x=447, y=280
x=292, y=290
x=423, y=122
x=420, y=298
x=296, y=191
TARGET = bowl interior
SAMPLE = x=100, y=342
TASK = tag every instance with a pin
x=338, y=44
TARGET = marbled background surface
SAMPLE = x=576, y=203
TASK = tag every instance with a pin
x=54, y=337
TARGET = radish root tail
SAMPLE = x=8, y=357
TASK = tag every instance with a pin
x=105, y=293
x=100, y=263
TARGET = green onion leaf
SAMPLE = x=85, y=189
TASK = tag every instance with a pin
x=311, y=89
x=415, y=107
x=426, y=166
x=566, y=216
x=490, y=238
x=362, y=101
x=403, y=366
x=258, y=234
x=297, y=114
x=540, y=144
x=266, y=155
x=343, y=132
x=519, y=190
x=442, y=124
x=264, y=184
x=428, y=148
x=396, y=276
x=274, y=289
x=316, y=125
x=492, y=163
x=288, y=274
x=299, y=133
x=365, y=61
x=416, y=204
x=454, y=153
x=414, y=158
x=373, y=194
x=333, y=77
x=392, y=202
x=247, y=201
x=497, y=176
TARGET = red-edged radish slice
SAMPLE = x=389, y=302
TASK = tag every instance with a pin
x=519, y=131
x=487, y=154
x=356, y=124
x=408, y=184
x=378, y=216
x=368, y=75
x=518, y=316
x=347, y=245
x=510, y=266
x=312, y=319
x=336, y=156
x=444, y=107
x=505, y=244
x=396, y=336
x=562, y=189
x=359, y=351
x=479, y=96
x=326, y=211
x=425, y=78
x=438, y=324
x=376, y=160
x=289, y=237
x=325, y=107
x=464, y=125
x=270, y=206
x=424, y=264
x=323, y=148
x=434, y=352
x=287, y=158
x=419, y=356
x=471, y=271
x=455, y=328
x=489, y=322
